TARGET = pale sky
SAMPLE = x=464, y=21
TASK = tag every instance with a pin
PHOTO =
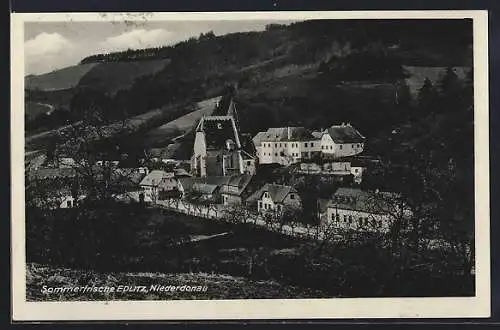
x=54, y=45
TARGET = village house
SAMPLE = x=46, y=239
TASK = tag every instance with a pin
x=288, y=145
x=205, y=189
x=157, y=183
x=68, y=201
x=359, y=210
x=341, y=140
x=276, y=198
x=236, y=190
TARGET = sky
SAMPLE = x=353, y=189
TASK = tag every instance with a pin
x=50, y=46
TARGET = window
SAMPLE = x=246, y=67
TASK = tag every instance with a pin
x=282, y=153
x=366, y=221
x=312, y=144
x=249, y=162
x=266, y=194
x=345, y=218
x=350, y=219
x=292, y=196
x=333, y=217
x=357, y=145
x=280, y=145
x=337, y=216
x=276, y=154
x=340, y=147
x=360, y=222
x=322, y=147
x=305, y=145
x=260, y=205
x=356, y=171
x=353, y=146
x=265, y=206
x=68, y=203
x=331, y=147
x=276, y=145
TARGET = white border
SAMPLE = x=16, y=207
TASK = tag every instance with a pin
x=478, y=306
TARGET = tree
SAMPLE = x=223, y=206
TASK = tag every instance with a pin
x=427, y=98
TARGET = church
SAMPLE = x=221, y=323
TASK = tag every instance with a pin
x=218, y=147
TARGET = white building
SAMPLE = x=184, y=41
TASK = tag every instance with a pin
x=360, y=210
x=69, y=201
x=288, y=145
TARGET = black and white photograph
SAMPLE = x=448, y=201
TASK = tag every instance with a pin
x=258, y=158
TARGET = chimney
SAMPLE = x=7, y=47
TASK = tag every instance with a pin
x=288, y=133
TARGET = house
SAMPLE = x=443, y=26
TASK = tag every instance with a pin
x=66, y=162
x=248, y=163
x=341, y=140
x=157, y=183
x=285, y=145
x=69, y=201
x=275, y=198
x=361, y=210
x=288, y=145
x=205, y=189
x=236, y=190
x=217, y=147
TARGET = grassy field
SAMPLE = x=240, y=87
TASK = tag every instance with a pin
x=60, y=79
x=159, y=136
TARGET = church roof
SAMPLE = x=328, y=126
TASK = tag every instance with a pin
x=218, y=130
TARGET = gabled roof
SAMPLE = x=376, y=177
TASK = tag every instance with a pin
x=365, y=201
x=188, y=183
x=240, y=182
x=345, y=134
x=277, y=134
x=277, y=192
x=204, y=188
x=155, y=177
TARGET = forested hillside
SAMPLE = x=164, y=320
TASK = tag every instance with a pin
x=281, y=71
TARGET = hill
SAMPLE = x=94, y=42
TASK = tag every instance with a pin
x=318, y=67
x=59, y=79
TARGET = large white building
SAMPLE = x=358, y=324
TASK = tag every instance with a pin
x=359, y=210
x=288, y=145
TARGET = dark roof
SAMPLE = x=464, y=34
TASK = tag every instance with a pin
x=218, y=130
x=345, y=134
x=277, y=192
x=188, y=183
x=323, y=204
x=155, y=177
x=225, y=106
x=247, y=144
x=277, y=134
x=239, y=181
x=363, y=200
